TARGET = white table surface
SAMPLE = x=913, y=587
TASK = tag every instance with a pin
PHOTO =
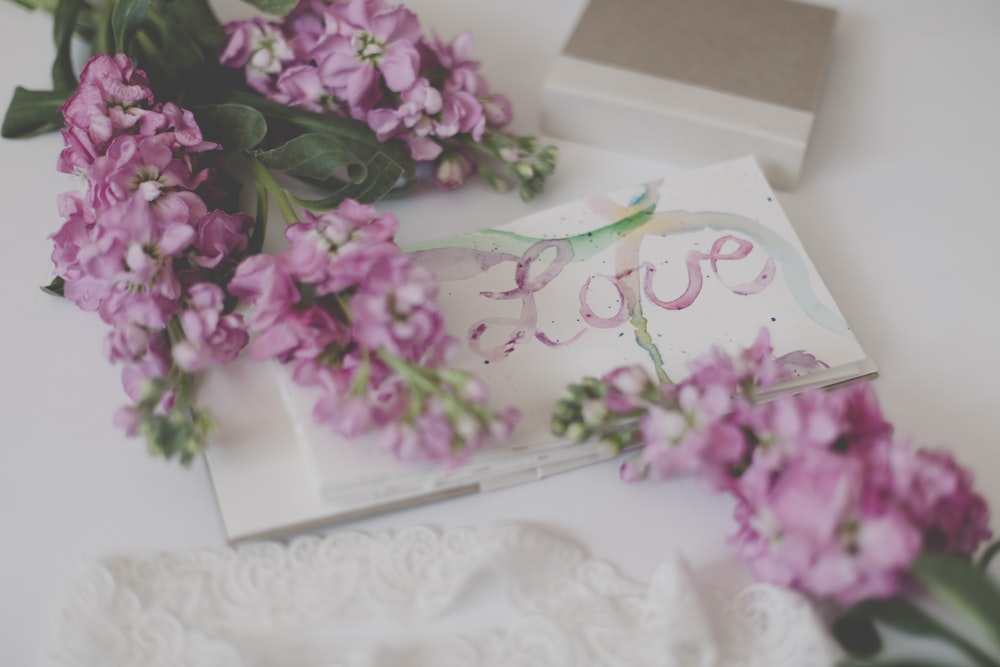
x=897, y=206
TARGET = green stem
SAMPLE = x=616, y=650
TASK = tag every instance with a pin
x=345, y=310
x=419, y=377
x=256, y=242
x=146, y=44
x=414, y=376
x=281, y=196
x=103, y=40
x=484, y=149
x=427, y=382
x=360, y=384
x=175, y=331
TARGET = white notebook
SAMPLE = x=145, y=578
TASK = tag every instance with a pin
x=655, y=275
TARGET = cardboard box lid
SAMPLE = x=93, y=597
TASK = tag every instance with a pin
x=775, y=51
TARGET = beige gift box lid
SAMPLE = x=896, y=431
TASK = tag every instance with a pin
x=693, y=82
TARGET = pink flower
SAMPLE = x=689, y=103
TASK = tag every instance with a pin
x=672, y=446
x=127, y=241
x=453, y=169
x=300, y=86
x=267, y=286
x=430, y=437
x=87, y=293
x=759, y=363
x=109, y=100
x=498, y=110
x=74, y=234
x=456, y=59
x=152, y=307
x=938, y=496
x=177, y=128
x=155, y=363
x=352, y=415
x=210, y=336
x=220, y=236
x=379, y=48
x=468, y=87
x=828, y=501
x=78, y=151
x=422, y=149
x=307, y=23
x=806, y=528
x=127, y=342
x=461, y=113
x=396, y=309
x=336, y=249
x=848, y=418
x=128, y=418
x=368, y=60
x=355, y=316
x=414, y=115
x=433, y=435
x=299, y=334
x=626, y=387
x=142, y=174
x=259, y=47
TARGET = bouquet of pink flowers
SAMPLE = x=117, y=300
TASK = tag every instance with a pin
x=829, y=500
x=370, y=61
x=347, y=96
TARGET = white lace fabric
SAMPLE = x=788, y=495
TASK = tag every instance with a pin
x=503, y=595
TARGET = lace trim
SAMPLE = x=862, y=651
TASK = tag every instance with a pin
x=499, y=595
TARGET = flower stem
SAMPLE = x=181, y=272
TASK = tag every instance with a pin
x=414, y=375
x=281, y=197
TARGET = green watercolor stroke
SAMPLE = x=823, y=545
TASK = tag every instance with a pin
x=584, y=245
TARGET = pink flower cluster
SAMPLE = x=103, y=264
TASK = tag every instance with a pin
x=828, y=500
x=139, y=244
x=834, y=504
x=369, y=60
x=358, y=318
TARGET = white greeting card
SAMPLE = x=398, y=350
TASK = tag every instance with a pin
x=654, y=275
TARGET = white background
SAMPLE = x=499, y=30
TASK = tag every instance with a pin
x=897, y=206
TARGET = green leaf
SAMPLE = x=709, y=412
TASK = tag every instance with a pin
x=125, y=19
x=383, y=173
x=988, y=555
x=56, y=287
x=63, y=27
x=898, y=662
x=30, y=4
x=354, y=133
x=857, y=634
x=904, y=616
x=170, y=54
x=314, y=157
x=963, y=586
x=236, y=126
x=33, y=112
x=276, y=7
x=199, y=20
